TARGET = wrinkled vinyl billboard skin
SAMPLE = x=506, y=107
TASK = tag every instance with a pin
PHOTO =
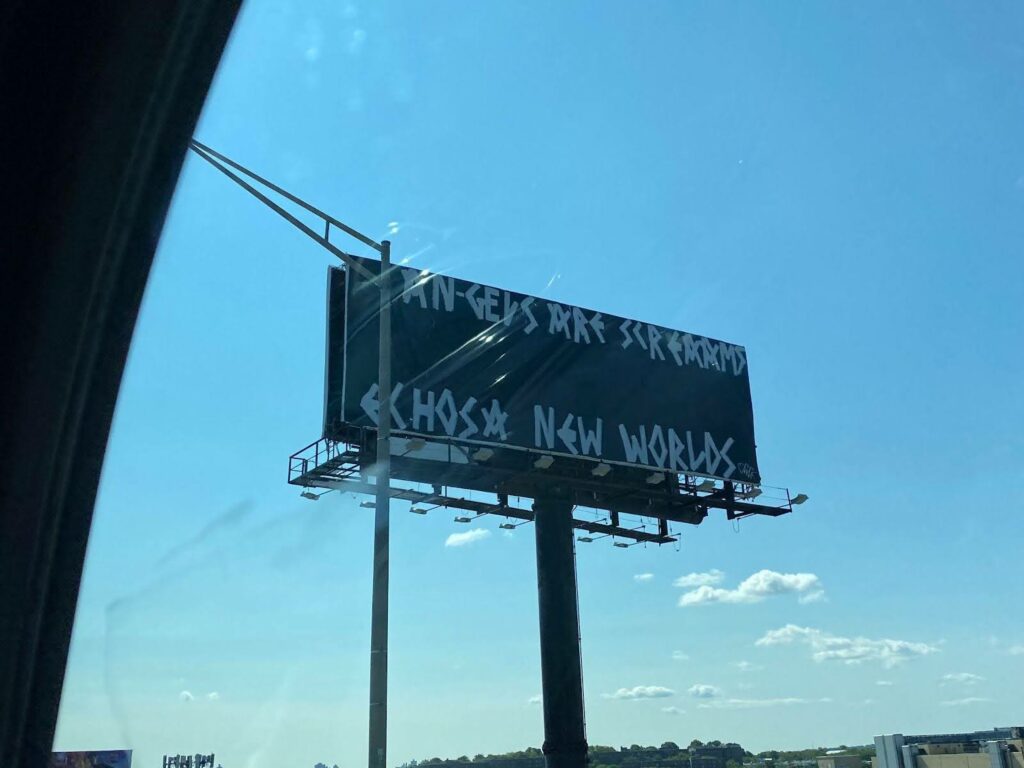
x=483, y=366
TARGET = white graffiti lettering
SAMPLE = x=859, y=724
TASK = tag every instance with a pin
x=590, y=440
x=494, y=421
x=464, y=412
x=477, y=305
x=664, y=448
x=511, y=305
x=422, y=410
x=650, y=445
x=635, y=446
x=450, y=415
x=543, y=427
x=493, y=305
x=559, y=319
x=414, y=287
x=531, y=320
x=490, y=302
x=568, y=435
x=653, y=337
x=444, y=292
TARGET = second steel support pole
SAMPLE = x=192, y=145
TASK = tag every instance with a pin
x=565, y=738
x=381, y=530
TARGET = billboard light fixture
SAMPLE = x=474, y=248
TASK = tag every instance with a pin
x=706, y=485
x=601, y=470
x=544, y=461
x=368, y=504
x=621, y=545
x=418, y=511
x=309, y=495
x=482, y=454
x=655, y=478
x=507, y=526
x=415, y=444
x=585, y=539
x=463, y=519
x=800, y=498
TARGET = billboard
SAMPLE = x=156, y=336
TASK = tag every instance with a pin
x=112, y=758
x=478, y=365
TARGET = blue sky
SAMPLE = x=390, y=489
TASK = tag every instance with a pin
x=838, y=187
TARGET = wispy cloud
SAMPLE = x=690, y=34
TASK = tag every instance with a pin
x=813, y=597
x=703, y=691
x=1016, y=650
x=746, y=666
x=849, y=650
x=467, y=537
x=186, y=696
x=673, y=710
x=967, y=678
x=757, y=587
x=213, y=696
x=642, y=577
x=759, y=703
x=883, y=682
x=704, y=579
x=641, y=692
x=964, y=702
x=680, y=656
x=535, y=699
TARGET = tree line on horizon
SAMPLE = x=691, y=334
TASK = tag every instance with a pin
x=669, y=752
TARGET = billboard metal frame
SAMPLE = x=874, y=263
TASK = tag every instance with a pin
x=343, y=465
x=352, y=455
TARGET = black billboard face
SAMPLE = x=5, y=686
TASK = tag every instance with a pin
x=483, y=366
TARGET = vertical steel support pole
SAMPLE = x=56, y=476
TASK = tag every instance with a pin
x=381, y=530
x=565, y=738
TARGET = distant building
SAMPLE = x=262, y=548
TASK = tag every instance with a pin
x=998, y=748
x=839, y=761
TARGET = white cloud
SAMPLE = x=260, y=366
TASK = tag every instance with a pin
x=641, y=692
x=1016, y=650
x=705, y=579
x=467, y=537
x=703, y=691
x=186, y=696
x=680, y=656
x=535, y=699
x=849, y=650
x=883, y=682
x=758, y=703
x=643, y=577
x=966, y=678
x=964, y=702
x=673, y=710
x=746, y=666
x=756, y=588
x=813, y=597
x=213, y=696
